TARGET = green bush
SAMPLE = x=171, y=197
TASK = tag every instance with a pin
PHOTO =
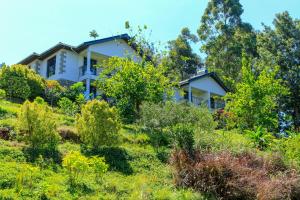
x=77, y=165
x=19, y=81
x=163, y=115
x=53, y=91
x=183, y=136
x=2, y=94
x=37, y=127
x=98, y=125
x=67, y=106
x=74, y=91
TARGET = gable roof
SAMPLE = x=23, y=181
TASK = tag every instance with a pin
x=202, y=75
x=76, y=49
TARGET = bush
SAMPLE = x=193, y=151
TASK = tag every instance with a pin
x=163, y=115
x=77, y=165
x=2, y=94
x=98, y=125
x=37, y=127
x=19, y=81
x=246, y=176
x=74, y=91
x=68, y=133
x=67, y=106
x=183, y=136
x=53, y=91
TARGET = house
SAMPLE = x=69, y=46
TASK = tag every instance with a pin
x=203, y=88
x=69, y=64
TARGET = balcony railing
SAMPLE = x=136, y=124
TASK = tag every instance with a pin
x=83, y=70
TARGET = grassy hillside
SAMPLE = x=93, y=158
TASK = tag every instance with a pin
x=137, y=170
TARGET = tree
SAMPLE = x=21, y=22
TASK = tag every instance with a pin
x=19, y=81
x=53, y=91
x=130, y=83
x=94, y=34
x=181, y=56
x=224, y=37
x=281, y=46
x=255, y=102
x=98, y=125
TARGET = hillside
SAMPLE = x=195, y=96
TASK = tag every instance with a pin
x=137, y=170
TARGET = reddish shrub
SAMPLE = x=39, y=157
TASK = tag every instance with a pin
x=68, y=134
x=4, y=133
x=246, y=176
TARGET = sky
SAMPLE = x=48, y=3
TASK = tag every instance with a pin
x=29, y=26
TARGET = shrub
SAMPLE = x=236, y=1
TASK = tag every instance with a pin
x=99, y=167
x=74, y=91
x=261, y=138
x=76, y=166
x=67, y=106
x=19, y=81
x=68, y=133
x=98, y=125
x=2, y=94
x=246, y=176
x=183, y=136
x=37, y=127
x=53, y=91
x=163, y=115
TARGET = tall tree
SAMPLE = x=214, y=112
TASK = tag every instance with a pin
x=224, y=37
x=281, y=46
x=181, y=57
x=94, y=34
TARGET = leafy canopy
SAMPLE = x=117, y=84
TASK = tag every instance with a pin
x=255, y=101
x=130, y=83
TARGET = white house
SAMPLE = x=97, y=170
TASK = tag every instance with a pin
x=69, y=64
x=203, y=88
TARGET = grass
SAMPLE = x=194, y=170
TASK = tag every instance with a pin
x=136, y=170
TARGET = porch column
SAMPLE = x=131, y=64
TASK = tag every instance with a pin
x=208, y=100
x=87, y=88
x=88, y=61
x=190, y=93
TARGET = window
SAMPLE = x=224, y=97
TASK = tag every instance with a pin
x=51, y=66
x=212, y=103
x=93, y=67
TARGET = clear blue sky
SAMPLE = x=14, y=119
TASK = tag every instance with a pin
x=35, y=25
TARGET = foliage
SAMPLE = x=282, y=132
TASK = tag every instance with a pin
x=67, y=106
x=37, y=127
x=224, y=37
x=261, y=138
x=68, y=133
x=19, y=81
x=2, y=94
x=98, y=125
x=290, y=148
x=255, y=102
x=182, y=58
x=280, y=46
x=53, y=91
x=76, y=166
x=183, y=136
x=75, y=90
x=99, y=167
x=94, y=34
x=130, y=83
x=244, y=176
x=156, y=117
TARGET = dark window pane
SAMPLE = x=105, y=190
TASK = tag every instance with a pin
x=51, y=66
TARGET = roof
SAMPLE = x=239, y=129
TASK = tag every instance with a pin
x=202, y=75
x=77, y=49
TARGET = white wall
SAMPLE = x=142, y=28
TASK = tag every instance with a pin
x=208, y=84
x=118, y=48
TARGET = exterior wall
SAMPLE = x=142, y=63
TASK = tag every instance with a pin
x=208, y=84
x=118, y=48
